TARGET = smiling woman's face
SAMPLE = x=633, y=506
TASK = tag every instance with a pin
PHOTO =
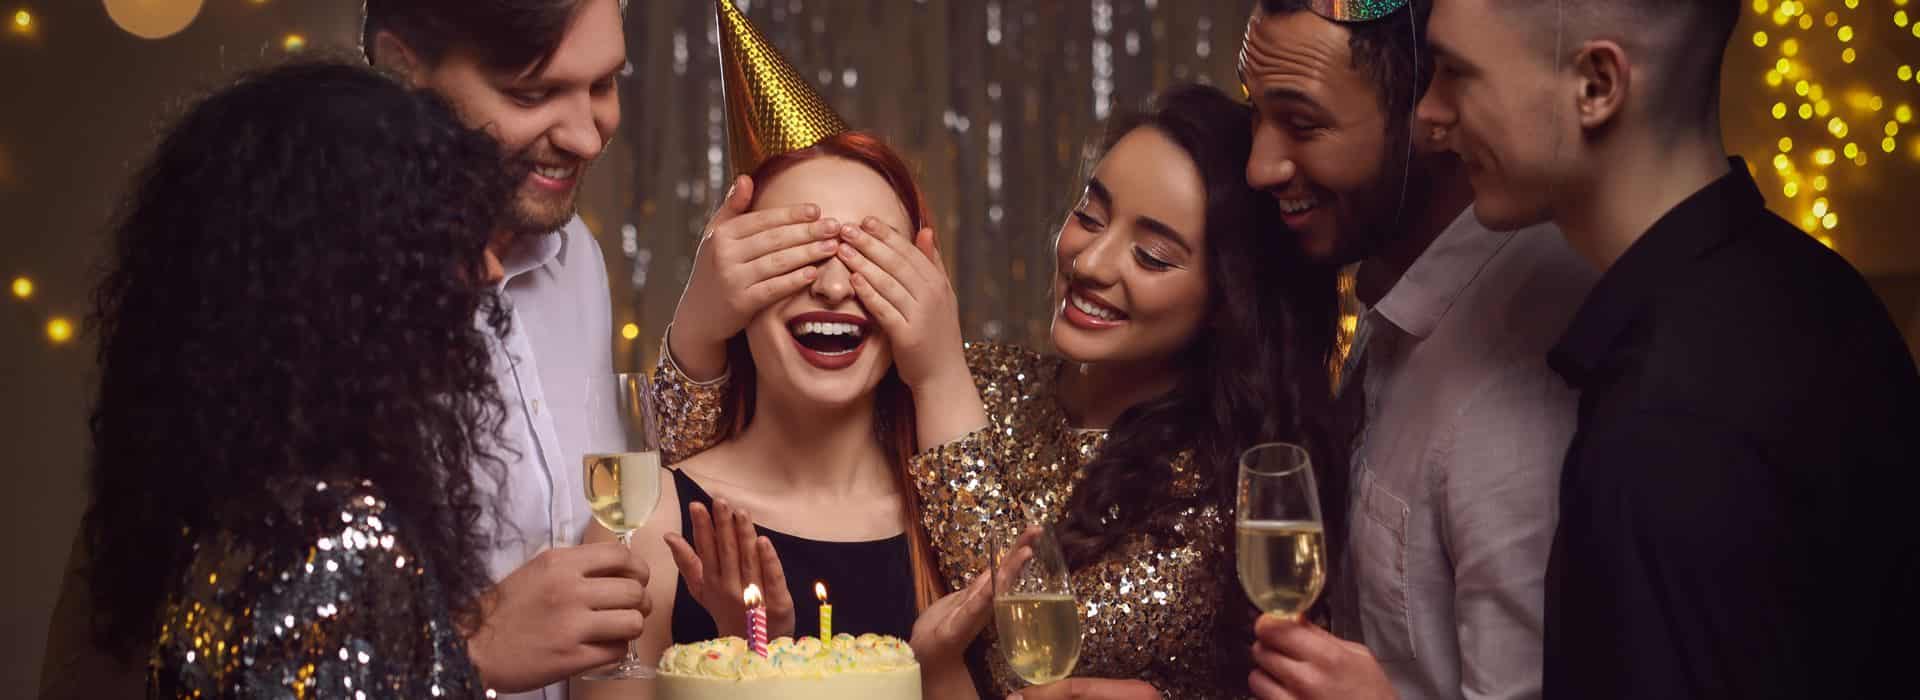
x=821, y=345
x=1130, y=281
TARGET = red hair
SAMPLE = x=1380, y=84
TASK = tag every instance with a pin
x=893, y=402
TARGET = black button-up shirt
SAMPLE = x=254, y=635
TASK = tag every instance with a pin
x=1737, y=507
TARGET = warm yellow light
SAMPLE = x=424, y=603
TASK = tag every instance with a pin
x=630, y=331
x=1823, y=156
x=1900, y=18
x=1846, y=33
x=23, y=19
x=1790, y=47
x=59, y=330
x=1848, y=55
x=1792, y=189
x=1774, y=78
x=1831, y=19
x=1760, y=39
x=1759, y=7
x=294, y=42
x=151, y=19
x=1786, y=144
x=1892, y=128
x=1819, y=183
x=1806, y=111
x=1820, y=207
x=1876, y=104
x=1905, y=72
x=1779, y=110
x=1806, y=21
x=1825, y=241
x=1783, y=66
x=1808, y=223
x=1830, y=220
x=1815, y=92
x=1781, y=162
x=23, y=287
x=1853, y=4
x=1837, y=128
x=1852, y=151
x=1888, y=144
x=1801, y=88
x=1822, y=108
x=1903, y=114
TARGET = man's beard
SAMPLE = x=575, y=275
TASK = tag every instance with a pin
x=1387, y=207
x=534, y=213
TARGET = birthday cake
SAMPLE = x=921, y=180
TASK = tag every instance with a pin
x=867, y=667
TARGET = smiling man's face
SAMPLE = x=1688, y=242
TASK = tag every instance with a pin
x=1321, y=142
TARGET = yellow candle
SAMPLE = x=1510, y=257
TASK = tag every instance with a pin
x=826, y=614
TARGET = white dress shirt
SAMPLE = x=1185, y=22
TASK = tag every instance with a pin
x=1456, y=475
x=558, y=350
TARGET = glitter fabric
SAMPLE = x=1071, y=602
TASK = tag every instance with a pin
x=1356, y=10
x=689, y=410
x=771, y=109
x=340, y=609
x=1157, y=608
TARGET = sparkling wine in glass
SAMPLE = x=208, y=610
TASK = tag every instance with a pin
x=1034, y=610
x=622, y=477
x=1281, y=545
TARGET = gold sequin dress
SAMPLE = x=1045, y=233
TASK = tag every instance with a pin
x=1164, y=607
x=342, y=609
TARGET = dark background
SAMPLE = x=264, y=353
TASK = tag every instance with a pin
x=994, y=101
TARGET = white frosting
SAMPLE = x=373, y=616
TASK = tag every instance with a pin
x=869, y=667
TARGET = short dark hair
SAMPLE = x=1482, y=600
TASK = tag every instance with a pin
x=518, y=35
x=1685, y=39
x=1391, y=53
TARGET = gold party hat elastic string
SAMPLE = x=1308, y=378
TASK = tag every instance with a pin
x=771, y=108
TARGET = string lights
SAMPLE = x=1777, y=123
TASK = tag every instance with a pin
x=1834, y=119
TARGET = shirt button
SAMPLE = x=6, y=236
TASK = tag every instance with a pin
x=536, y=407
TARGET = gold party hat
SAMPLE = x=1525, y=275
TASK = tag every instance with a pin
x=771, y=108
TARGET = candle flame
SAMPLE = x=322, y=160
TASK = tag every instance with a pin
x=820, y=591
x=752, y=596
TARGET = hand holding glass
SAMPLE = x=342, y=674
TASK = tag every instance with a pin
x=622, y=477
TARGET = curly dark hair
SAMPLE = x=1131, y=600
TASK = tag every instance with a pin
x=295, y=292
x=1257, y=369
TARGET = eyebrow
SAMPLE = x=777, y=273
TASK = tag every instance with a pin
x=1440, y=51
x=1293, y=95
x=1098, y=191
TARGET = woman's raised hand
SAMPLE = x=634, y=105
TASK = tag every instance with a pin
x=903, y=283
x=747, y=260
x=727, y=554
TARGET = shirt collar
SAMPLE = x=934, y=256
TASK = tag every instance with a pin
x=533, y=252
x=1697, y=226
x=1435, y=280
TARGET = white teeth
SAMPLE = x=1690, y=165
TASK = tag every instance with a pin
x=1091, y=309
x=553, y=173
x=823, y=328
x=1295, y=206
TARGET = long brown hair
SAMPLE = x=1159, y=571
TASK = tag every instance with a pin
x=893, y=402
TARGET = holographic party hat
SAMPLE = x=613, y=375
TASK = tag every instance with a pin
x=1356, y=10
x=771, y=108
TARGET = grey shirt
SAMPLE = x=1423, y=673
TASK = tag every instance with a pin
x=1457, y=471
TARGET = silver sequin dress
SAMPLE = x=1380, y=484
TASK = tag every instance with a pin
x=1164, y=607
x=340, y=609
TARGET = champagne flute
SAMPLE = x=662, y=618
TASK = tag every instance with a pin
x=1033, y=606
x=1281, y=544
x=622, y=477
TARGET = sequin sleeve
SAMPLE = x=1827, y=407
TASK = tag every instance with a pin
x=977, y=480
x=689, y=409
x=339, y=607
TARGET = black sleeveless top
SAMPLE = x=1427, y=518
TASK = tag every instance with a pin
x=869, y=583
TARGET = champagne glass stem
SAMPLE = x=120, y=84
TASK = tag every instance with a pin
x=633, y=645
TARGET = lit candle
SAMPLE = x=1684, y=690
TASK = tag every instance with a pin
x=826, y=614
x=756, y=621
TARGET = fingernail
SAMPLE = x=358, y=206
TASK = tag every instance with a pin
x=811, y=211
x=828, y=246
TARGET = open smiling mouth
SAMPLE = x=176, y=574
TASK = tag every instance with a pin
x=829, y=340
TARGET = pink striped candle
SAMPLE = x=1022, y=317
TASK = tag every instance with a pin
x=756, y=621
